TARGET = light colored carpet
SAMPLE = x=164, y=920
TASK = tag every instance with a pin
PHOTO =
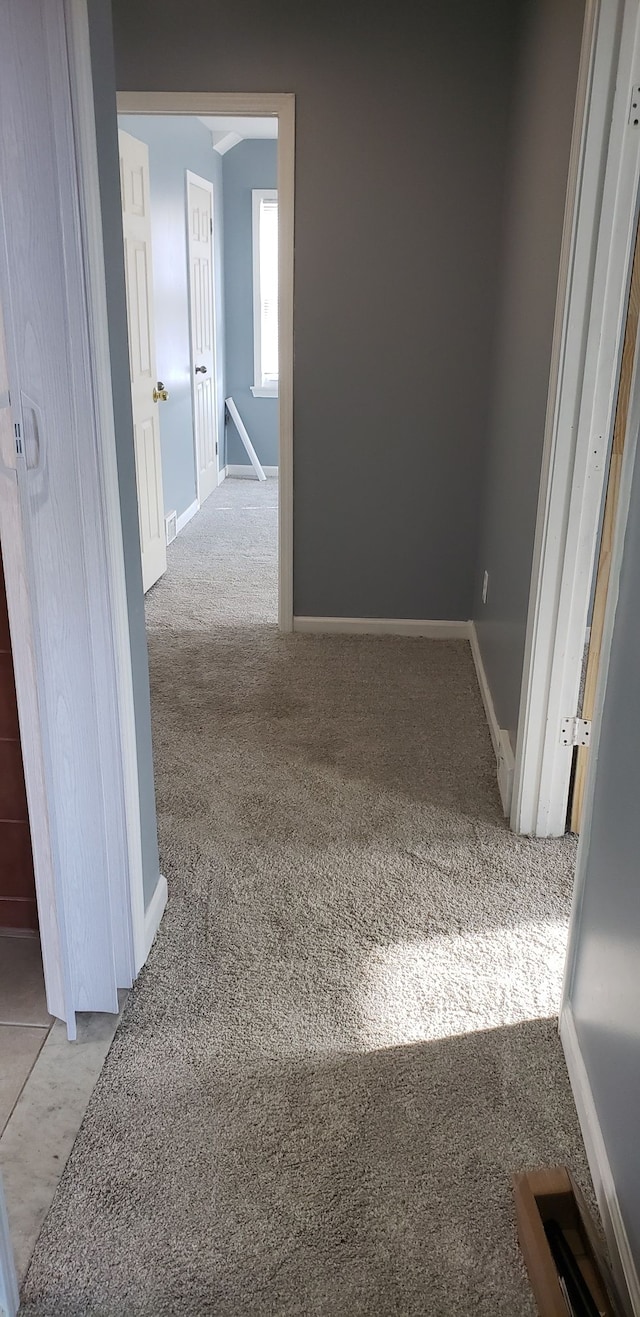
x=342, y=1046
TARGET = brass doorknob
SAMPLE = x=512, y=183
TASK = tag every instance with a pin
x=160, y=394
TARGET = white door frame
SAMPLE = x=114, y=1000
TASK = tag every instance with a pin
x=623, y=1262
x=281, y=106
x=9, y=1296
x=595, y=271
x=105, y=746
x=207, y=186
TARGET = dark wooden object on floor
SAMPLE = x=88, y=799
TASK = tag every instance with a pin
x=551, y=1194
x=17, y=884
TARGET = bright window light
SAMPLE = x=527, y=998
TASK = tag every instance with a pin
x=265, y=293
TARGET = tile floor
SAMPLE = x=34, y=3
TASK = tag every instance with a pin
x=24, y=1018
x=45, y=1086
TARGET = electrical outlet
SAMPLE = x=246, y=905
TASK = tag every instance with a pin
x=485, y=587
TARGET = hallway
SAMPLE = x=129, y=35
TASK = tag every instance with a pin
x=343, y=1043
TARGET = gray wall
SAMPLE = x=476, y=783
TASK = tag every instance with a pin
x=401, y=135
x=109, y=167
x=605, y=987
x=541, y=140
x=175, y=145
x=251, y=164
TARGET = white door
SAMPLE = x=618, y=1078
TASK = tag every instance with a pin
x=145, y=394
x=201, y=301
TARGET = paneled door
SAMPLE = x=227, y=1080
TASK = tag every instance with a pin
x=202, y=313
x=146, y=390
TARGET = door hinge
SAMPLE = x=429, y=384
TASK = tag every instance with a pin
x=575, y=731
x=18, y=435
x=216, y=447
x=634, y=108
x=210, y=224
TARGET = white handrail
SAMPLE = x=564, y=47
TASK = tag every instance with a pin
x=242, y=431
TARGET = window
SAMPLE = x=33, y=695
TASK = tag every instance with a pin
x=265, y=294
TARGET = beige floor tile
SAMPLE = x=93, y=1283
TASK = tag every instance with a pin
x=22, y=994
x=19, y=1047
x=39, y=1136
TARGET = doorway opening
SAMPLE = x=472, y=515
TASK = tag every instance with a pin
x=207, y=203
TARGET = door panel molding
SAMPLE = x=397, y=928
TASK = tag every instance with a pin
x=136, y=220
x=203, y=333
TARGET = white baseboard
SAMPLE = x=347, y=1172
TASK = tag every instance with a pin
x=500, y=738
x=624, y=1267
x=377, y=626
x=506, y=771
x=246, y=472
x=222, y=474
x=187, y=515
x=153, y=913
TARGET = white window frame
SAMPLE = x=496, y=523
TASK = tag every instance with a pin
x=259, y=389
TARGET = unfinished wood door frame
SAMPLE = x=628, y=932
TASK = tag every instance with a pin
x=612, y=499
x=595, y=271
x=281, y=106
x=207, y=186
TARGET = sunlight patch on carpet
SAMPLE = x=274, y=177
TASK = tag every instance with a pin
x=461, y=983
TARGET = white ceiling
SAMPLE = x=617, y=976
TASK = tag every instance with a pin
x=242, y=125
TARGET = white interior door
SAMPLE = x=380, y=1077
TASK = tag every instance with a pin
x=136, y=218
x=201, y=301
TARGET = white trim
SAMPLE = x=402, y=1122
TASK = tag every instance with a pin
x=590, y=318
x=623, y=1264
x=259, y=389
x=223, y=142
x=282, y=106
x=624, y=498
x=378, y=626
x=222, y=474
x=245, y=472
x=131, y=900
x=485, y=689
x=602, y=1174
x=216, y=328
x=154, y=913
x=185, y=517
x=9, y=1296
x=500, y=739
x=244, y=436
